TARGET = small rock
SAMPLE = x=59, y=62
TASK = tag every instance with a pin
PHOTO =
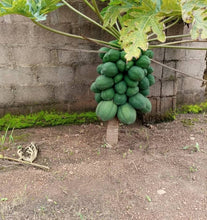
x=50, y=200
x=192, y=138
x=161, y=192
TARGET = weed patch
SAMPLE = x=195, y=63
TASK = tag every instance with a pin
x=44, y=119
x=194, y=109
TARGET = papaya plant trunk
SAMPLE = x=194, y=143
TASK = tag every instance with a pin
x=112, y=132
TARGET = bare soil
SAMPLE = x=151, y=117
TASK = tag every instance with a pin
x=157, y=172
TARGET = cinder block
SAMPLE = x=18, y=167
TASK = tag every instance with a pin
x=167, y=104
x=30, y=55
x=155, y=101
x=155, y=90
x=157, y=70
x=19, y=19
x=159, y=54
x=174, y=54
x=14, y=33
x=68, y=57
x=86, y=73
x=5, y=55
x=179, y=83
x=192, y=67
x=17, y=76
x=191, y=97
x=190, y=84
x=53, y=75
x=168, y=88
x=167, y=73
x=196, y=54
x=40, y=36
x=33, y=95
x=7, y=19
x=6, y=96
x=65, y=92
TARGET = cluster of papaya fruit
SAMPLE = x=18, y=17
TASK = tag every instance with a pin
x=122, y=87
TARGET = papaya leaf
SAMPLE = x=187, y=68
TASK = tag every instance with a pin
x=115, y=9
x=171, y=8
x=158, y=4
x=34, y=9
x=137, y=25
x=195, y=12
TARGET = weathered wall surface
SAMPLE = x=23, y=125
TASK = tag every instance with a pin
x=192, y=62
x=40, y=70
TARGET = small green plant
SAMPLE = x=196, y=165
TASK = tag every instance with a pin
x=193, y=148
x=148, y=198
x=189, y=121
x=4, y=138
x=80, y=216
x=4, y=199
x=194, y=109
x=193, y=169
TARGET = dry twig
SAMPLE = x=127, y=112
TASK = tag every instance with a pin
x=24, y=162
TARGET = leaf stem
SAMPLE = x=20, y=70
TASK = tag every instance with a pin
x=179, y=71
x=182, y=41
x=168, y=19
x=87, y=18
x=177, y=47
x=97, y=10
x=89, y=4
x=69, y=35
x=172, y=37
x=170, y=25
x=117, y=26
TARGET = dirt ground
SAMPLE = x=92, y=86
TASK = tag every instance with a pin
x=157, y=172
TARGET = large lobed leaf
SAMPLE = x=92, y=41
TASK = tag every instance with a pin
x=195, y=12
x=171, y=7
x=34, y=9
x=138, y=19
x=138, y=24
x=112, y=13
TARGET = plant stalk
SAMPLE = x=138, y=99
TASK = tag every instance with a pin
x=172, y=37
x=182, y=41
x=87, y=18
x=170, y=25
x=177, y=47
x=69, y=35
x=97, y=10
x=89, y=4
x=176, y=70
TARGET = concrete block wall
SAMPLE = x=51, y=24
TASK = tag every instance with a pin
x=40, y=70
x=192, y=62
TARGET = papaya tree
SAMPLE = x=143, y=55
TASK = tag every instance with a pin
x=137, y=26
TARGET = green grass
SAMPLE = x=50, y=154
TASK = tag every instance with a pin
x=184, y=109
x=44, y=119
x=194, y=109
